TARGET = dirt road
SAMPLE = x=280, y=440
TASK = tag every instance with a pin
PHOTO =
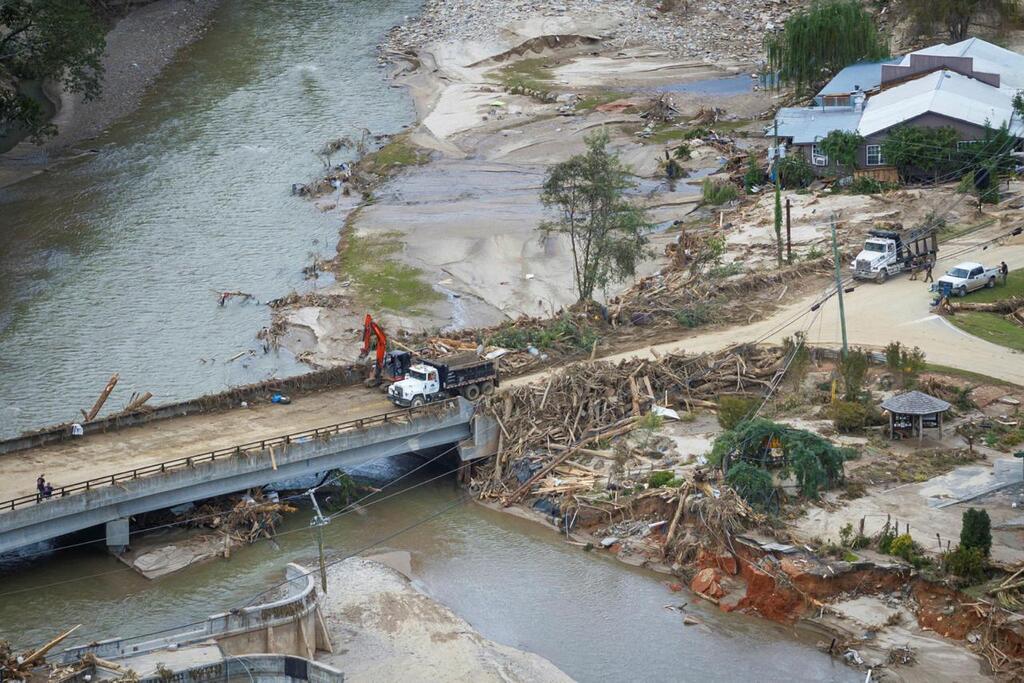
x=878, y=314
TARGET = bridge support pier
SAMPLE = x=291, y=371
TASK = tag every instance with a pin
x=117, y=535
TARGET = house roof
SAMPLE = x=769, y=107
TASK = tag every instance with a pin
x=987, y=57
x=809, y=124
x=942, y=92
x=866, y=75
x=915, y=403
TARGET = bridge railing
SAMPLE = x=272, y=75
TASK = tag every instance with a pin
x=231, y=451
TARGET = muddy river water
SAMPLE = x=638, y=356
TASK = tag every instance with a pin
x=514, y=580
x=111, y=263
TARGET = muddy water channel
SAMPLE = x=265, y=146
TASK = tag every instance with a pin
x=111, y=263
x=513, y=580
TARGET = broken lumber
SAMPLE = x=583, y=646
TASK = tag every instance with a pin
x=104, y=395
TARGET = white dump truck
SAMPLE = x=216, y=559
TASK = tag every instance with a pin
x=428, y=380
x=888, y=252
x=966, y=277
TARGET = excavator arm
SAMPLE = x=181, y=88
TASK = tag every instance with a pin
x=371, y=331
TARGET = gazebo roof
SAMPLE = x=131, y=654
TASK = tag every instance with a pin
x=915, y=403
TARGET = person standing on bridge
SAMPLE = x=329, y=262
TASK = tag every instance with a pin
x=40, y=487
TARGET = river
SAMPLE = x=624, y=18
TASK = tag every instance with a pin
x=111, y=263
x=514, y=580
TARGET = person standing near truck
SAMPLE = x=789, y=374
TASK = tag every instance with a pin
x=1004, y=271
x=928, y=270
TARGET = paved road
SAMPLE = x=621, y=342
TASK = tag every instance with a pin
x=876, y=315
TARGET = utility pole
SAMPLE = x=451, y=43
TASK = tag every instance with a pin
x=839, y=285
x=789, y=235
x=778, y=199
x=319, y=522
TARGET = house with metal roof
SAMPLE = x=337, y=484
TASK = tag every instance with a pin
x=966, y=86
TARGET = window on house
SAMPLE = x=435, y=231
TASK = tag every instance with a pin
x=965, y=144
x=818, y=158
x=873, y=155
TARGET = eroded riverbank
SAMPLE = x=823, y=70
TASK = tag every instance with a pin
x=514, y=581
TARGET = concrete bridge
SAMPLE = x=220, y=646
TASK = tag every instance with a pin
x=112, y=499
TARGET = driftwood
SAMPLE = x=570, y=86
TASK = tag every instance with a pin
x=104, y=395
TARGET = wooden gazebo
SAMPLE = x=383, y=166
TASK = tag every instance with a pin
x=914, y=410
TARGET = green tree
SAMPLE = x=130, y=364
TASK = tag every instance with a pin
x=46, y=40
x=842, y=146
x=607, y=234
x=753, y=483
x=794, y=172
x=956, y=16
x=815, y=43
x=853, y=368
x=976, y=530
x=915, y=149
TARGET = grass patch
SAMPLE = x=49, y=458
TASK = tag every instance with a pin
x=991, y=327
x=382, y=283
x=717, y=193
x=1014, y=287
x=595, y=100
x=395, y=155
x=531, y=74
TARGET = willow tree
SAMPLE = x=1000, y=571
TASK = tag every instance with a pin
x=815, y=43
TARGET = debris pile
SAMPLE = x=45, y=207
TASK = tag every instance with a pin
x=247, y=520
x=543, y=425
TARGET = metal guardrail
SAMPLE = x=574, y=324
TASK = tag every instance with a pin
x=231, y=451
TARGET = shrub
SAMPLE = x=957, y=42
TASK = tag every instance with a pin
x=903, y=546
x=695, y=315
x=905, y=364
x=650, y=421
x=853, y=368
x=682, y=152
x=852, y=416
x=754, y=175
x=794, y=172
x=885, y=540
x=716, y=192
x=976, y=530
x=967, y=563
x=659, y=478
x=753, y=483
x=733, y=410
x=795, y=349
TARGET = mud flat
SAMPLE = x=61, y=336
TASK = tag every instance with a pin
x=385, y=629
x=462, y=226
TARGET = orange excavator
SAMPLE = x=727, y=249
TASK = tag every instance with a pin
x=389, y=366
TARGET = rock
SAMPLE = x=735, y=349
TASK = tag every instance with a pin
x=690, y=620
x=608, y=541
x=704, y=581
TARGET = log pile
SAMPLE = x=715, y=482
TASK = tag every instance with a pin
x=246, y=520
x=549, y=422
x=1012, y=309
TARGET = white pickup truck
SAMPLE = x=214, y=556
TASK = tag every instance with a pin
x=966, y=277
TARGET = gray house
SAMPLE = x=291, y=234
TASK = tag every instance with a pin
x=964, y=86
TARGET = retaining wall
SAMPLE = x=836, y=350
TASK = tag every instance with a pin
x=255, y=669
x=290, y=625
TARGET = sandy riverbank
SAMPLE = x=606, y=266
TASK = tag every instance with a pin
x=383, y=629
x=465, y=222
x=139, y=47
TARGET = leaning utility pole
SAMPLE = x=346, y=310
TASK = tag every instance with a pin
x=319, y=522
x=778, y=199
x=839, y=285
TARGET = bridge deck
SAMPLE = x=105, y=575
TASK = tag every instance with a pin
x=101, y=454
